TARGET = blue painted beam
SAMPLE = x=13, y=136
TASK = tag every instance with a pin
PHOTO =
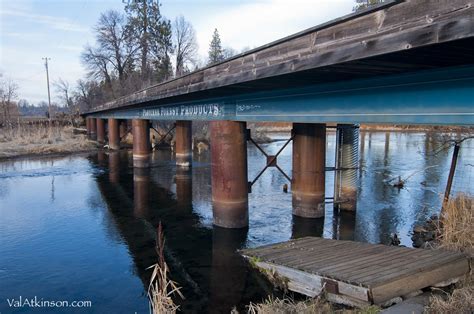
x=436, y=97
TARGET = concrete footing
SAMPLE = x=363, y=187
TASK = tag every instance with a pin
x=346, y=177
x=229, y=174
x=141, y=143
x=114, y=134
x=100, y=131
x=309, y=169
x=184, y=152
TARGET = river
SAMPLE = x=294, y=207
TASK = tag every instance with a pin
x=82, y=227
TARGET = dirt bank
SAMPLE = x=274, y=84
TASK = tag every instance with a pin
x=40, y=140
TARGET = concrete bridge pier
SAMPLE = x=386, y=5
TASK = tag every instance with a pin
x=114, y=134
x=184, y=152
x=141, y=143
x=229, y=174
x=100, y=131
x=309, y=169
x=93, y=129
x=346, y=177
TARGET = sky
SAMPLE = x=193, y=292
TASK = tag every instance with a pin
x=59, y=29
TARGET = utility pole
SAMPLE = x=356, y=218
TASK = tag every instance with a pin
x=49, y=95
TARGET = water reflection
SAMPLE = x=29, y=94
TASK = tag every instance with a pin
x=344, y=223
x=229, y=271
x=307, y=227
x=105, y=214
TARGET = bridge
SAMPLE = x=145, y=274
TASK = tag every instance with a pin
x=401, y=62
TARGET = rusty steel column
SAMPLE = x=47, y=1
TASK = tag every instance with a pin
x=346, y=179
x=184, y=137
x=123, y=128
x=141, y=143
x=114, y=134
x=101, y=131
x=229, y=174
x=309, y=165
x=88, y=127
x=93, y=126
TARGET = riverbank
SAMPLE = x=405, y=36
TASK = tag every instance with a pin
x=41, y=140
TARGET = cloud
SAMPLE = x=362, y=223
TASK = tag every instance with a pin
x=51, y=21
x=257, y=23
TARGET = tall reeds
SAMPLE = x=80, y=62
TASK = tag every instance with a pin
x=456, y=233
x=161, y=287
x=456, y=230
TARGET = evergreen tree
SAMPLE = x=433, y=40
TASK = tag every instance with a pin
x=364, y=4
x=216, y=53
x=152, y=33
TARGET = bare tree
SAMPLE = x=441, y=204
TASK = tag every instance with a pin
x=62, y=87
x=97, y=64
x=8, y=93
x=115, y=42
x=185, y=43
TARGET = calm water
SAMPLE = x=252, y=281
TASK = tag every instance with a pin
x=83, y=227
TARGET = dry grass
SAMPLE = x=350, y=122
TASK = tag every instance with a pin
x=39, y=139
x=162, y=288
x=317, y=305
x=461, y=300
x=456, y=233
x=288, y=306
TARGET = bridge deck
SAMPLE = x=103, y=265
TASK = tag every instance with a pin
x=349, y=70
x=356, y=273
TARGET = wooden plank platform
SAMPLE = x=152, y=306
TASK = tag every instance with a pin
x=356, y=273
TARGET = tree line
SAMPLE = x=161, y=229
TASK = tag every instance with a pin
x=133, y=49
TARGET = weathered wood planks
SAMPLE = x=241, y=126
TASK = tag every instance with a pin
x=356, y=273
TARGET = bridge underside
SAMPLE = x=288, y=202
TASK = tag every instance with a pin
x=429, y=85
x=438, y=97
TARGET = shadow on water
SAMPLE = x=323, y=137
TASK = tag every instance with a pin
x=204, y=261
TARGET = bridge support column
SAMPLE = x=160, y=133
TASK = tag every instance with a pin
x=229, y=174
x=114, y=134
x=309, y=169
x=93, y=128
x=101, y=131
x=88, y=127
x=141, y=143
x=184, y=152
x=347, y=161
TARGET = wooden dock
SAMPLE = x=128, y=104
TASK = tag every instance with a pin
x=356, y=273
